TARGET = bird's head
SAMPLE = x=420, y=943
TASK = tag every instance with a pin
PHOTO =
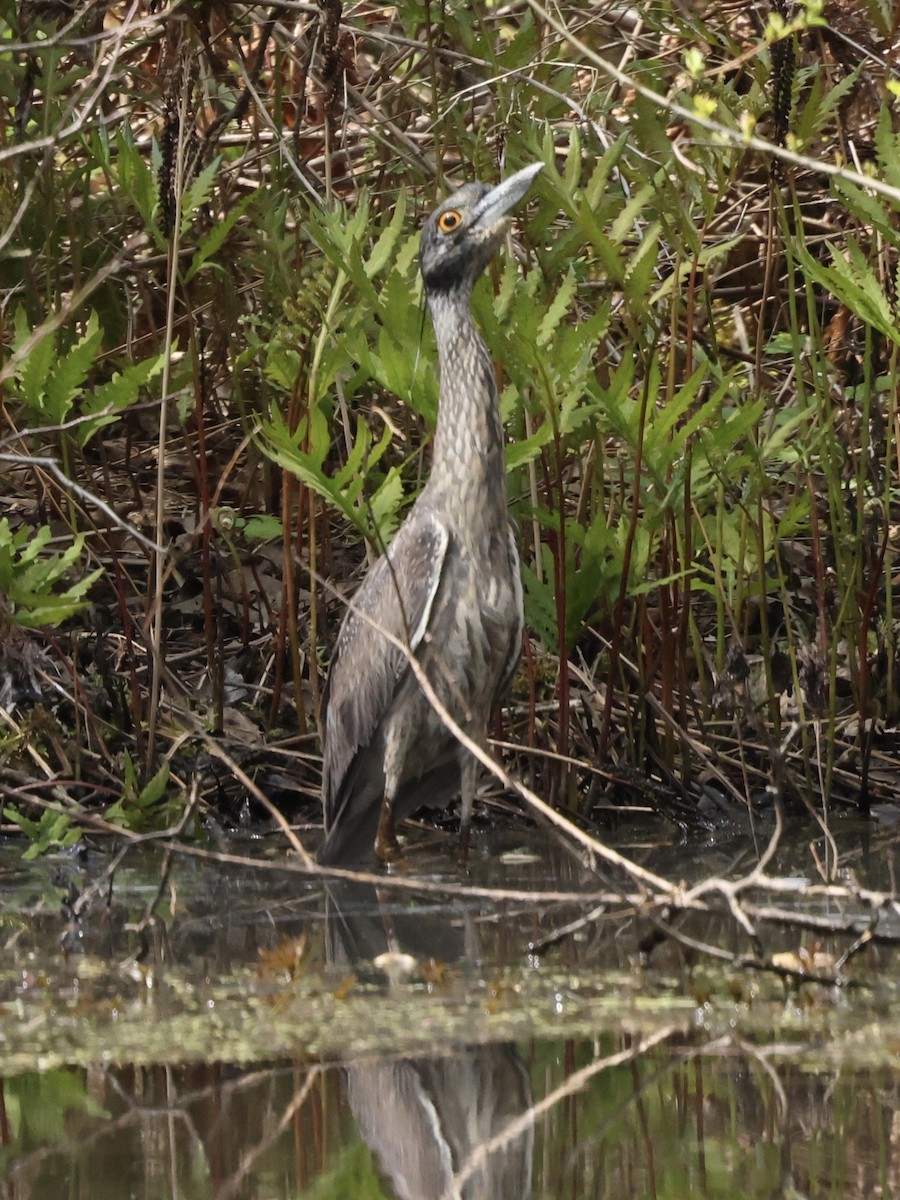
x=461, y=237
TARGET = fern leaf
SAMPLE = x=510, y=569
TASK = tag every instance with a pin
x=558, y=308
x=215, y=238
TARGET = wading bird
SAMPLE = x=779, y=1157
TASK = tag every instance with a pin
x=448, y=588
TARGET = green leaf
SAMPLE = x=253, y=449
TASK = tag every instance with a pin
x=197, y=193
x=213, y=241
x=823, y=98
x=33, y=376
x=119, y=393
x=50, y=832
x=155, y=789
x=29, y=828
x=598, y=186
x=137, y=181
x=262, y=528
x=384, y=247
x=868, y=208
x=339, y=234
x=283, y=448
x=622, y=226
x=386, y=504
x=30, y=578
x=142, y=810
x=558, y=308
x=887, y=144
x=640, y=269
x=573, y=167
x=540, y=605
x=50, y=384
x=853, y=281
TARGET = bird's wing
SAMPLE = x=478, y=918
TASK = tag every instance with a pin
x=396, y=596
x=514, y=651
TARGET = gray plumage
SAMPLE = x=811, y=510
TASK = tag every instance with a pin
x=449, y=586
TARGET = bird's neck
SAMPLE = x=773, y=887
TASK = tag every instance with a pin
x=468, y=466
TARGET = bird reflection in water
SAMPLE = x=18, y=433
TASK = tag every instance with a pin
x=452, y=1126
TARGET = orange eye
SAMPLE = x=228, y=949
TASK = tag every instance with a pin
x=449, y=220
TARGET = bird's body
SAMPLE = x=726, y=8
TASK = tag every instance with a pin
x=448, y=589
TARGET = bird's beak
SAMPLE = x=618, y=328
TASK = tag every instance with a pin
x=505, y=196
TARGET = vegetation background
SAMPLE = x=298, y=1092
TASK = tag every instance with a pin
x=218, y=387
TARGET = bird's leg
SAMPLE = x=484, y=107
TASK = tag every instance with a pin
x=387, y=848
x=468, y=775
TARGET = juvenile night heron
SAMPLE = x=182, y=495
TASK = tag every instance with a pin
x=448, y=587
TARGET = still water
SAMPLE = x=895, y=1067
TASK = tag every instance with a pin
x=196, y=1028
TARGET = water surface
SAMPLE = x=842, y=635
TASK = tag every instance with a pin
x=183, y=1027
